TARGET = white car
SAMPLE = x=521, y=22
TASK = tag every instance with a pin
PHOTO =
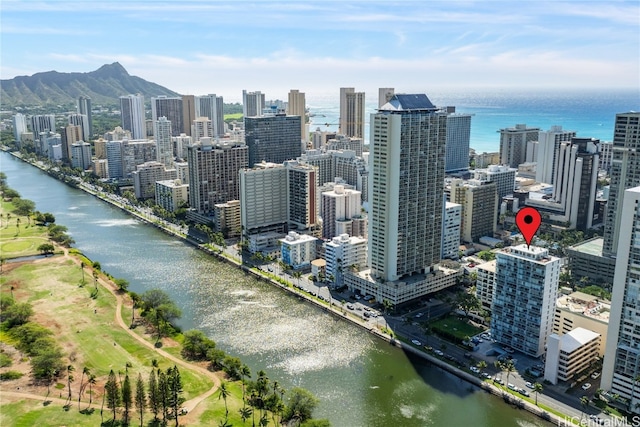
x=416, y=342
x=528, y=384
x=438, y=352
x=474, y=369
x=595, y=375
x=586, y=386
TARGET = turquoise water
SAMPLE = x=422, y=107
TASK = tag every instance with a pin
x=590, y=113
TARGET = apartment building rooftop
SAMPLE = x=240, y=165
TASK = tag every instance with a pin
x=585, y=304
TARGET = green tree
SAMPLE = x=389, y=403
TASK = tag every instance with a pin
x=23, y=207
x=224, y=393
x=300, y=405
x=127, y=399
x=245, y=413
x=92, y=382
x=584, y=402
x=112, y=393
x=154, y=395
x=537, y=388
x=509, y=367
x=46, y=248
x=141, y=398
x=174, y=383
x=85, y=372
x=482, y=365
x=196, y=345
x=245, y=372
x=16, y=315
x=123, y=284
x=163, y=394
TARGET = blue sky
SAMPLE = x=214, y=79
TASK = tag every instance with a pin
x=198, y=47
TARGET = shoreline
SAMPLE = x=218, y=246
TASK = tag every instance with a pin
x=334, y=310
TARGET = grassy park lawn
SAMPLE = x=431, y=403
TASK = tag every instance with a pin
x=234, y=116
x=19, y=241
x=454, y=326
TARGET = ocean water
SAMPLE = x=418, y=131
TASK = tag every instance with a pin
x=591, y=113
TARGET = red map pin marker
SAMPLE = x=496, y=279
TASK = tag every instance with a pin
x=528, y=220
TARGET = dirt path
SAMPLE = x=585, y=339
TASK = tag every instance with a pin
x=190, y=405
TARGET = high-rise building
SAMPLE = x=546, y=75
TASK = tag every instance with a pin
x=502, y=175
x=83, y=121
x=84, y=107
x=524, y=298
x=43, y=123
x=339, y=209
x=19, y=126
x=171, y=194
x=296, y=106
x=188, y=113
x=622, y=355
x=606, y=156
x=548, y=145
x=173, y=109
x=202, y=127
x=458, y=137
x=302, y=196
x=485, y=283
x=513, y=144
x=384, y=95
x=451, y=230
x=114, y=159
x=352, y=117
x=273, y=139
x=137, y=152
x=625, y=173
x=145, y=177
x=479, y=200
x=408, y=137
x=81, y=155
x=252, y=103
x=227, y=218
x=263, y=198
x=213, y=173
x=164, y=143
x=133, y=115
x=69, y=135
x=211, y=107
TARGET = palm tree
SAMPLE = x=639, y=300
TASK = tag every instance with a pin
x=482, y=364
x=509, y=367
x=70, y=369
x=296, y=275
x=85, y=371
x=245, y=413
x=91, y=381
x=224, y=393
x=584, y=402
x=537, y=388
x=82, y=268
x=244, y=372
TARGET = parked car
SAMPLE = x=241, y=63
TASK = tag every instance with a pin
x=595, y=375
x=416, y=342
x=586, y=386
x=512, y=387
x=438, y=352
x=474, y=369
x=528, y=384
x=523, y=392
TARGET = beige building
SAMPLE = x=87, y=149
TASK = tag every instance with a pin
x=352, y=116
x=580, y=310
x=100, y=168
x=570, y=354
x=479, y=200
x=171, y=194
x=485, y=283
x=145, y=177
x=227, y=218
x=296, y=106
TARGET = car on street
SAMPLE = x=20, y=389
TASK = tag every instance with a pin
x=586, y=386
x=474, y=369
x=595, y=375
x=485, y=375
x=416, y=342
x=523, y=392
x=438, y=352
x=528, y=384
x=498, y=380
x=350, y=306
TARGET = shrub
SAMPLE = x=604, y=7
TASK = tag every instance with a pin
x=10, y=375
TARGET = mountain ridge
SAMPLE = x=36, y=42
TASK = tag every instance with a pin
x=104, y=86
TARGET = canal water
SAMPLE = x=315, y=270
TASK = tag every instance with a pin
x=360, y=380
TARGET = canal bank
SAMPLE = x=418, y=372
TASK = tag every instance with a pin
x=360, y=381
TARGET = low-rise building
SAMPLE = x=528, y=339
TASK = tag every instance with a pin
x=485, y=283
x=580, y=310
x=586, y=260
x=344, y=253
x=227, y=218
x=171, y=194
x=298, y=250
x=570, y=354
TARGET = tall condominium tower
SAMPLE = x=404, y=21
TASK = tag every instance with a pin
x=479, y=200
x=164, y=143
x=19, y=126
x=273, y=139
x=133, y=116
x=188, y=113
x=513, y=144
x=548, y=145
x=252, y=104
x=69, y=136
x=351, y=112
x=202, y=127
x=296, y=106
x=524, y=300
x=43, y=123
x=384, y=95
x=340, y=208
x=84, y=107
x=458, y=137
x=83, y=121
x=214, y=173
x=625, y=173
x=622, y=355
x=408, y=137
x=503, y=176
x=211, y=107
x=172, y=109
